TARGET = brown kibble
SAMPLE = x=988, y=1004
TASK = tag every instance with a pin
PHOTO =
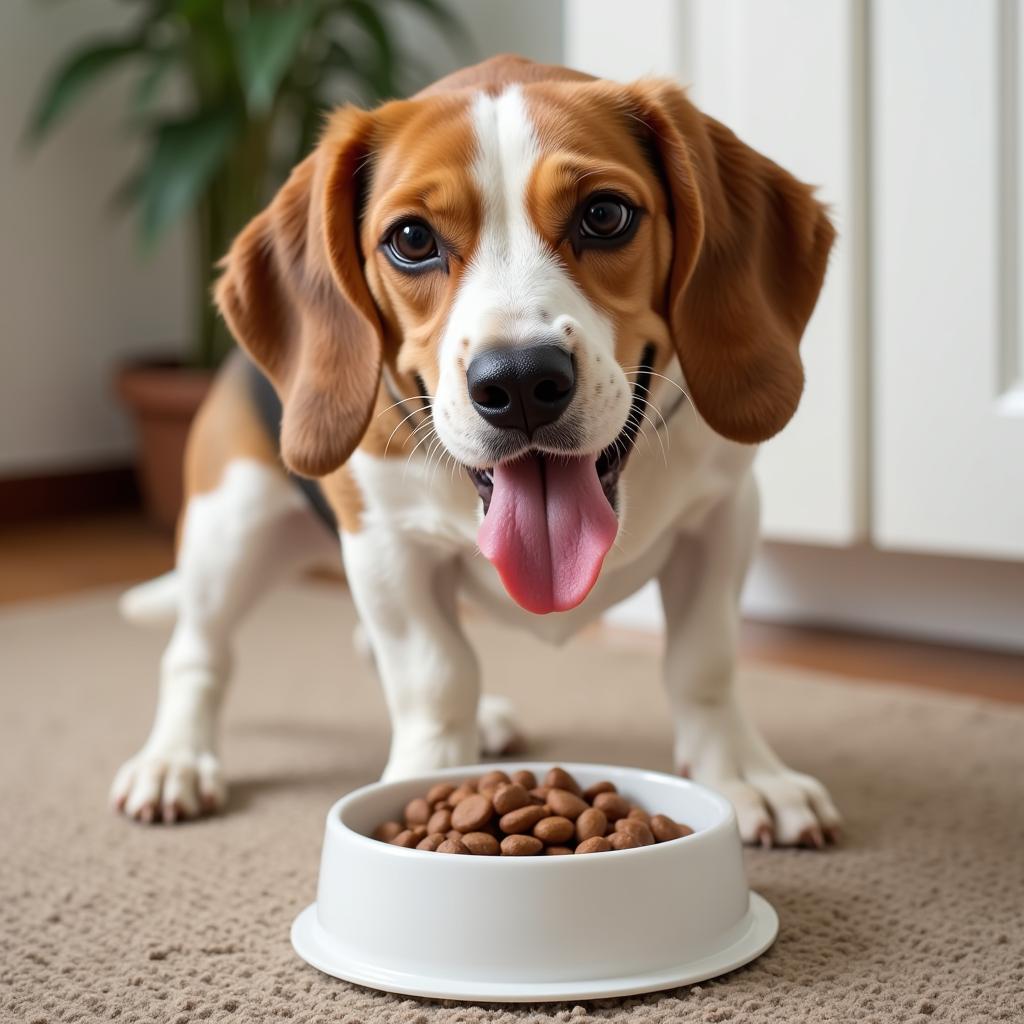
x=387, y=831
x=639, y=814
x=514, y=816
x=612, y=804
x=559, y=778
x=510, y=796
x=525, y=778
x=481, y=844
x=453, y=846
x=622, y=841
x=555, y=829
x=471, y=814
x=592, y=822
x=457, y=795
x=490, y=782
x=598, y=787
x=417, y=812
x=432, y=842
x=637, y=829
x=520, y=846
x=567, y=804
x=440, y=821
x=439, y=791
x=665, y=829
x=523, y=819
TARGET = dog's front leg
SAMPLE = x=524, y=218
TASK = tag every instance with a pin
x=716, y=743
x=404, y=590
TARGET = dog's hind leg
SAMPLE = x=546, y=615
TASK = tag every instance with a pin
x=238, y=539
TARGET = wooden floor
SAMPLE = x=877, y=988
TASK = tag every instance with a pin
x=48, y=559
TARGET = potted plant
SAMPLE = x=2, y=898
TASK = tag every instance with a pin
x=230, y=95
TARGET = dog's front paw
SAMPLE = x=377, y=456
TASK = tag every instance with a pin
x=416, y=751
x=781, y=807
x=717, y=746
x=500, y=732
x=154, y=787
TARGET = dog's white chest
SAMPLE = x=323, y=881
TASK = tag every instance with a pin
x=671, y=482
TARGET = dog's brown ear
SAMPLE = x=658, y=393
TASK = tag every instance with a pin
x=751, y=246
x=294, y=295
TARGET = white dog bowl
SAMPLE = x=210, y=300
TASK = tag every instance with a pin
x=526, y=929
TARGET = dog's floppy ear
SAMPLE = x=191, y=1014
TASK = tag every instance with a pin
x=294, y=295
x=751, y=245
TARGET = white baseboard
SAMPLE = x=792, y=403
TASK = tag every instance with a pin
x=948, y=600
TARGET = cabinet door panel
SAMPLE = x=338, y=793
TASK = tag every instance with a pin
x=787, y=77
x=947, y=105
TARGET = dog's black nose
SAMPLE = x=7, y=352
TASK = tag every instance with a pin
x=521, y=388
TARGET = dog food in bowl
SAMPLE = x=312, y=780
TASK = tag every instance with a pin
x=513, y=815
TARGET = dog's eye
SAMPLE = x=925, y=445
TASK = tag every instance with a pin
x=605, y=217
x=412, y=242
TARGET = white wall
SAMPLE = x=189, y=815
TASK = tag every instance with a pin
x=531, y=28
x=75, y=294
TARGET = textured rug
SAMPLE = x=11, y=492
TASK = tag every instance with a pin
x=918, y=916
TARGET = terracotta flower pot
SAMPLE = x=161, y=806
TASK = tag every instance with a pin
x=163, y=397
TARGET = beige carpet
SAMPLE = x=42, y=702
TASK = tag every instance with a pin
x=918, y=916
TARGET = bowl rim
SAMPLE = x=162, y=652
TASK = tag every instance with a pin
x=727, y=821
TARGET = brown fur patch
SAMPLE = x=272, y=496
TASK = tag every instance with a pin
x=346, y=500
x=226, y=428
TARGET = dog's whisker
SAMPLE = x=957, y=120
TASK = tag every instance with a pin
x=657, y=434
x=425, y=437
x=686, y=394
x=403, y=401
x=438, y=452
x=636, y=371
x=433, y=459
x=399, y=427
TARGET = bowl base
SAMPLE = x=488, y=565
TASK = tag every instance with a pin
x=318, y=950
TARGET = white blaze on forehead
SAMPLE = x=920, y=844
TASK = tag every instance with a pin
x=515, y=289
x=506, y=152
x=506, y=278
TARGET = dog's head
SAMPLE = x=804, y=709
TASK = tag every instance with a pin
x=526, y=249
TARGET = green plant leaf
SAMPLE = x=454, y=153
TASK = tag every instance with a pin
x=267, y=44
x=161, y=64
x=185, y=156
x=378, y=74
x=73, y=79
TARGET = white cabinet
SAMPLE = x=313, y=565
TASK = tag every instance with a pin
x=947, y=223
x=786, y=76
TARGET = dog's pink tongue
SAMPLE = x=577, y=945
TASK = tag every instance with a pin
x=547, y=531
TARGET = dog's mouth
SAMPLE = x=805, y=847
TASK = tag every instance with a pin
x=550, y=519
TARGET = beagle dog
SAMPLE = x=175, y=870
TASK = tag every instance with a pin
x=516, y=339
